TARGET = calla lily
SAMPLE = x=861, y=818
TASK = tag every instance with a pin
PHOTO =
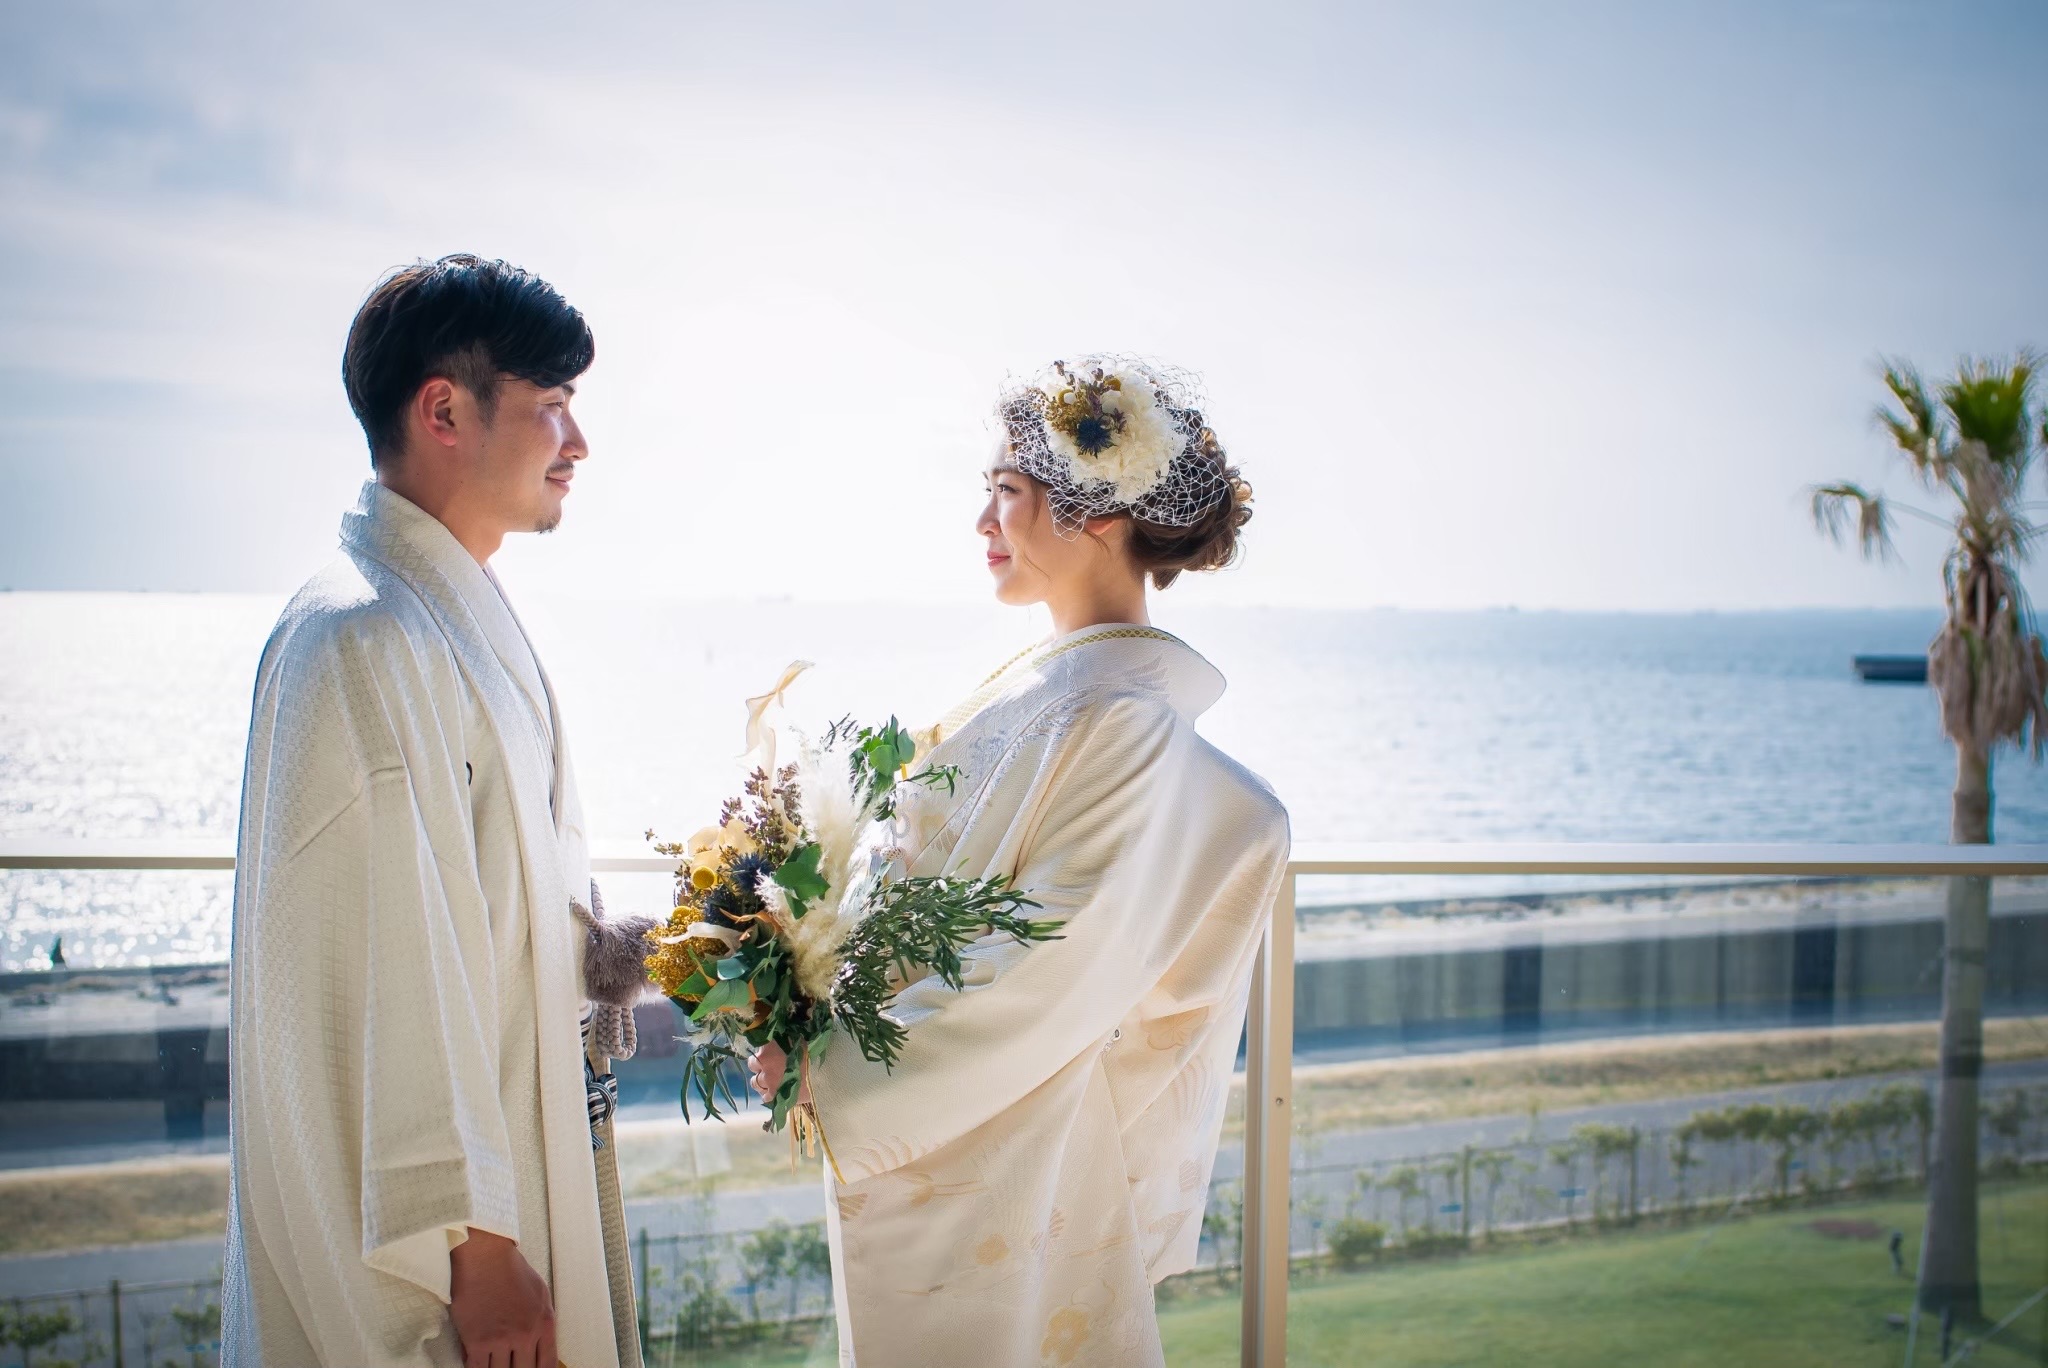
x=761, y=736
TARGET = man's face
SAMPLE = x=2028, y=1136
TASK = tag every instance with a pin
x=527, y=455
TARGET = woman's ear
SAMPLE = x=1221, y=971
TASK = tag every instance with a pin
x=1104, y=529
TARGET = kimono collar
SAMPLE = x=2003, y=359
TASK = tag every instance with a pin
x=461, y=592
x=1112, y=649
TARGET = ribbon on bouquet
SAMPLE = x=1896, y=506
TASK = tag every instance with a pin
x=806, y=1127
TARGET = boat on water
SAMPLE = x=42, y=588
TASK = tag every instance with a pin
x=1891, y=669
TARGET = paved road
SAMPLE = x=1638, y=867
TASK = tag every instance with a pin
x=1333, y=1159
x=31, y=1275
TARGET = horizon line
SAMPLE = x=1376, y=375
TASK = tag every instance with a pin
x=544, y=595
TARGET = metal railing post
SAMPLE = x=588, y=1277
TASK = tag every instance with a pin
x=1465, y=1194
x=643, y=1317
x=1266, y=1241
x=1248, y=1261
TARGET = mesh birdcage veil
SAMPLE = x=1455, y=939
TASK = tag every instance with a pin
x=1115, y=434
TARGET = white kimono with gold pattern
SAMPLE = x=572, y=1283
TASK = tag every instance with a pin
x=1041, y=1154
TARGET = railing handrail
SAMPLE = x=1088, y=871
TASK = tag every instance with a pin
x=1402, y=857
x=1667, y=857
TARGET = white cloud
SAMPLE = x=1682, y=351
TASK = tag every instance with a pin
x=1491, y=311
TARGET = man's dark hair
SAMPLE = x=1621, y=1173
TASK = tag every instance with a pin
x=471, y=320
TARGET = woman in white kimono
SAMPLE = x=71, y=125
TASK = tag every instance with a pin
x=1041, y=1154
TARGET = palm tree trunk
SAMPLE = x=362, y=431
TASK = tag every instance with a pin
x=1948, y=1252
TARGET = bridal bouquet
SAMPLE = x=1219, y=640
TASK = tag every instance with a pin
x=789, y=923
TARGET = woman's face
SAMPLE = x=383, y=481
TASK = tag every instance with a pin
x=1027, y=558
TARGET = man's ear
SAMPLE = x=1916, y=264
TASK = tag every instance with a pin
x=434, y=409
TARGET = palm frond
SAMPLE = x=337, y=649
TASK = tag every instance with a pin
x=2025, y=534
x=1990, y=402
x=1915, y=427
x=2011, y=536
x=1839, y=507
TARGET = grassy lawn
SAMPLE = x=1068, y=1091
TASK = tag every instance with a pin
x=822, y=1354
x=1757, y=1291
x=1396, y=1092
x=1762, y=1290
x=112, y=1204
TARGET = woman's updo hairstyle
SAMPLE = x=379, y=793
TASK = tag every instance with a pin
x=1211, y=542
x=1122, y=437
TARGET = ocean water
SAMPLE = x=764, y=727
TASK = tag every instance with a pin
x=122, y=716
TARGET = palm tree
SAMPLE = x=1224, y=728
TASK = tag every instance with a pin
x=1972, y=440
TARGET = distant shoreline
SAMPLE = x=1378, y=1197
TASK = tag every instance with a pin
x=1680, y=907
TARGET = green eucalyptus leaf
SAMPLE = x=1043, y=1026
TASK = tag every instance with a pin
x=799, y=873
x=729, y=993
x=785, y=1098
x=731, y=968
x=818, y=1045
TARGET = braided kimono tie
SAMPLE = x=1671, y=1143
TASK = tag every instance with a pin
x=614, y=976
x=600, y=1090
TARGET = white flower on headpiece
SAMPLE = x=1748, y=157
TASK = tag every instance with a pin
x=1132, y=451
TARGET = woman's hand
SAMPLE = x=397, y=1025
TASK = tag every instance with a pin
x=766, y=1069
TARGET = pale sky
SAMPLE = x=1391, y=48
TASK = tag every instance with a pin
x=1559, y=305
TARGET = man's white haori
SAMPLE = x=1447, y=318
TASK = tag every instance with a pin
x=406, y=975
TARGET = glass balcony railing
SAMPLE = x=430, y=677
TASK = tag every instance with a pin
x=1660, y=1104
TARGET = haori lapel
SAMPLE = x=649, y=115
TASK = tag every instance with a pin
x=492, y=653
x=560, y=786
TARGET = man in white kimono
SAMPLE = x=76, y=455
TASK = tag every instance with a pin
x=412, y=1154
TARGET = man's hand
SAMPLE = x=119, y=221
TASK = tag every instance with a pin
x=503, y=1314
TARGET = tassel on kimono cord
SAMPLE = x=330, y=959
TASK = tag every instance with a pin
x=806, y=1127
x=614, y=973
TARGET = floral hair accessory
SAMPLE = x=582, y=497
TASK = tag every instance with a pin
x=1113, y=434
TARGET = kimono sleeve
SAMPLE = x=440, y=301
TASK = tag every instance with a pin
x=437, y=1156
x=1105, y=855
x=396, y=934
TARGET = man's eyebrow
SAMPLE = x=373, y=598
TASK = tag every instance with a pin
x=568, y=387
